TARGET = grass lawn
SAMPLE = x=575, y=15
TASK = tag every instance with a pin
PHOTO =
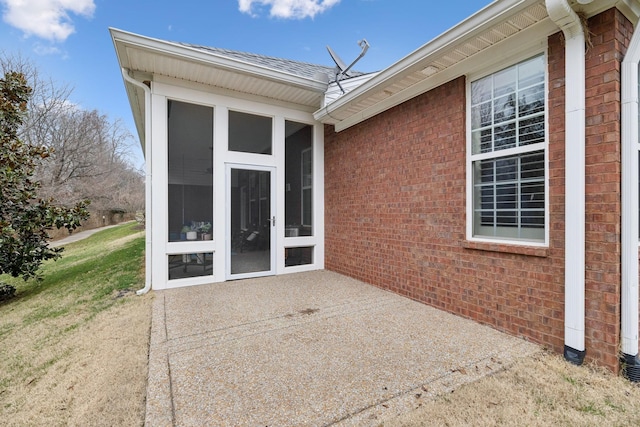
x=74, y=350
x=74, y=346
x=542, y=391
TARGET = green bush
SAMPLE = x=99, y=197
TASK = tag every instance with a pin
x=6, y=292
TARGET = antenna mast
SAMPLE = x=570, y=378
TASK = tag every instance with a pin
x=341, y=68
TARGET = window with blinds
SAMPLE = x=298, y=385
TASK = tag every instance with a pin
x=508, y=145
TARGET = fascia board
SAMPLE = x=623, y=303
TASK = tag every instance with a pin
x=137, y=103
x=630, y=9
x=205, y=88
x=133, y=93
x=121, y=54
x=495, y=54
x=475, y=24
x=190, y=54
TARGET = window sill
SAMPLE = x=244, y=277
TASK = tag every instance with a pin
x=534, y=251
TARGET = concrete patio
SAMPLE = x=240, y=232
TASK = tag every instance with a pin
x=312, y=348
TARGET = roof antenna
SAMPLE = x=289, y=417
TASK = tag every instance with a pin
x=341, y=68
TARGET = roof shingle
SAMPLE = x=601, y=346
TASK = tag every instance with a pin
x=298, y=68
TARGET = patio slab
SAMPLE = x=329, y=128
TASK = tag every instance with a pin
x=313, y=349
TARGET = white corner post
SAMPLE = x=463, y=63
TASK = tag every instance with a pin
x=630, y=229
x=147, y=162
x=574, y=307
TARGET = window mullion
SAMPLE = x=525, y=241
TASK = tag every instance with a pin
x=514, y=167
x=540, y=146
x=495, y=199
x=519, y=196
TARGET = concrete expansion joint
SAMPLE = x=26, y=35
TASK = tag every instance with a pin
x=295, y=319
x=316, y=346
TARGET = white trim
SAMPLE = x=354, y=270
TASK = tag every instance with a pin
x=194, y=246
x=221, y=105
x=220, y=138
x=231, y=94
x=259, y=158
x=341, y=113
x=148, y=220
x=171, y=89
x=159, y=182
x=514, y=151
x=318, y=198
x=273, y=209
x=316, y=240
x=212, y=59
x=471, y=158
x=509, y=242
x=190, y=246
x=629, y=240
x=333, y=90
x=473, y=24
x=574, y=308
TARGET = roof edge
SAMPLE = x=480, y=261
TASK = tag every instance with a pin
x=192, y=54
x=475, y=23
x=341, y=113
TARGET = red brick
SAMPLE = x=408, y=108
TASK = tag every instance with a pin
x=395, y=214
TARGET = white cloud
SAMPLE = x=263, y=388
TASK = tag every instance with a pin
x=288, y=9
x=47, y=19
x=42, y=49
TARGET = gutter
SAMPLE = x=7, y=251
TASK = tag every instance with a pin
x=416, y=59
x=200, y=55
x=574, y=308
x=630, y=228
x=147, y=155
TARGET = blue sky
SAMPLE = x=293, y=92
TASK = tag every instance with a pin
x=68, y=40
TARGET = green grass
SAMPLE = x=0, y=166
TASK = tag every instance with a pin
x=84, y=259
x=88, y=270
x=569, y=380
x=73, y=290
x=591, y=408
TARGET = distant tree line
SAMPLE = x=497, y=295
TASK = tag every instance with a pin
x=25, y=217
x=90, y=157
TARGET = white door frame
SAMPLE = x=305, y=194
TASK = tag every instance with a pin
x=274, y=215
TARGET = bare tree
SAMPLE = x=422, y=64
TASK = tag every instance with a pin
x=46, y=94
x=90, y=152
x=89, y=160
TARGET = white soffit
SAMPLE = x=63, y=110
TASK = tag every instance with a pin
x=146, y=56
x=502, y=28
x=437, y=61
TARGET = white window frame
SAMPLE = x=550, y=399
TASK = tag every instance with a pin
x=304, y=187
x=515, y=151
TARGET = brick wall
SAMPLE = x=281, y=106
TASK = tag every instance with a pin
x=395, y=209
x=610, y=35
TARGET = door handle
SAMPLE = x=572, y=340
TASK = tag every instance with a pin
x=272, y=220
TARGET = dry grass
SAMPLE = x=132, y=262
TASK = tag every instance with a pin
x=542, y=391
x=74, y=347
x=115, y=244
x=95, y=375
x=74, y=352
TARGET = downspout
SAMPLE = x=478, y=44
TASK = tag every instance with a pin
x=147, y=164
x=629, y=291
x=574, y=293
